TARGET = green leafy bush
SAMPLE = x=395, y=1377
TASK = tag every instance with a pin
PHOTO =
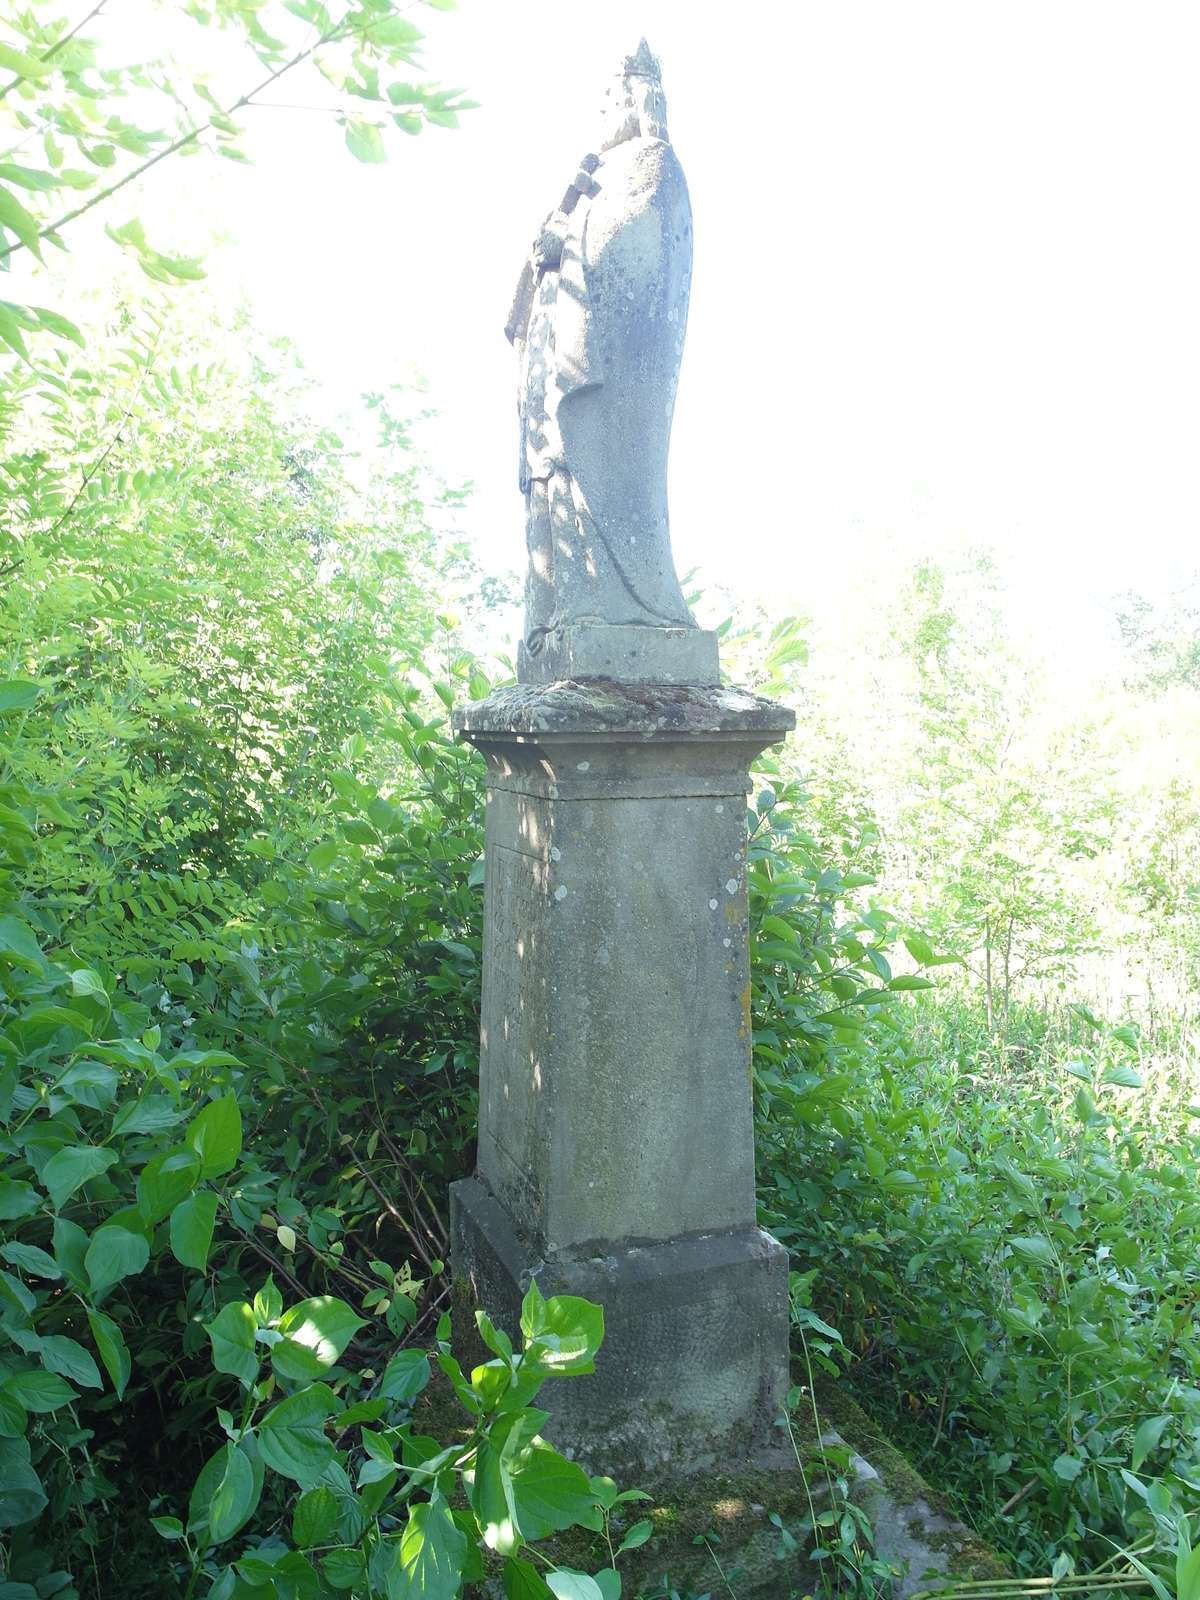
x=372, y=1505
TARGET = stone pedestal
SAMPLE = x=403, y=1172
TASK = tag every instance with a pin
x=616, y=1143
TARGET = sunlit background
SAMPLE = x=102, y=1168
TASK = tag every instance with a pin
x=945, y=278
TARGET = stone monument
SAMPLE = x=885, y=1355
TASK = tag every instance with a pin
x=615, y=1143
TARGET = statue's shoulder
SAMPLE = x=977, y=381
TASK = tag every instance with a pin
x=641, y=172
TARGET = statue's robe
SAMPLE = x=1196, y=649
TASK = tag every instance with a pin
x=602, y=341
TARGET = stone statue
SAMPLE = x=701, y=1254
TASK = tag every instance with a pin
x=598, y=323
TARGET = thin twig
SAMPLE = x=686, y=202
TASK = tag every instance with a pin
x=56, y=46
x=52, y=228
x=113, y=442
x=941, y=1413
x=275, y=1265
x=442, y=1294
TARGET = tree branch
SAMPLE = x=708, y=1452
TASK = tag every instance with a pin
x=57, y=45
x=52, y=228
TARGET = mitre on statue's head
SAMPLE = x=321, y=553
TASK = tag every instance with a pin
x=636, y=106
x=641, y=64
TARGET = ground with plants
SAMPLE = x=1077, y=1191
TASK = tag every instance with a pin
x=240, y=896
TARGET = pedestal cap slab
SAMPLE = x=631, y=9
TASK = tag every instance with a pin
x=612, y=707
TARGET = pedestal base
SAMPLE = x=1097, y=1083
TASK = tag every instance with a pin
x=693, y=1369
x=623, y=653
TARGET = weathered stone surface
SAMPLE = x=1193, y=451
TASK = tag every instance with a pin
x=598, y=323
x=615, y=1047
x=626, y=654
x=693, y=1367
x=616, y=1153
x=600, y=708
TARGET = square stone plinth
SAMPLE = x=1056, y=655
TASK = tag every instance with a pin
x=693, y=1369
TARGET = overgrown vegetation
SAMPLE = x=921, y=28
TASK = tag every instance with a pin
x=239, y=961
x=992, y=1193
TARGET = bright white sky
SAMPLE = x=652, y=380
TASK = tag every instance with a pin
x=947, y=275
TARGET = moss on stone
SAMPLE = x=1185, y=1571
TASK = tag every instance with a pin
x=735, y=1506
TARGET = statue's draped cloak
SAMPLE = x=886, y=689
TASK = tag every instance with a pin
x=600, y=367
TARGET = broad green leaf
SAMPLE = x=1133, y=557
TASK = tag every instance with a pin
x=25, y=66
x=566, y=1584
x=1068, y=1468
x=38, y=1391
x=17, y=1199
x=1146, y=1439
x=493, y=1500
x=405, y=1375
x=215, y=1472
x=1035, y=1247
x=550, y=1492
x=433, y=1551
x=70, y=1251
x=18, y=694
x=70, y=1360
x=1187, y=1568
x=315, y=1333
x=113, y=1254
x=523, y=1581
x=637, y=1535
x=1122, y=1075
x=13, y=1417
x=167, y=1527
x=323, y=856
x=568, y=1330
x=232, y=1333
x=89, y=1083
x=23, y=223
x=73, y=1166
x=344, y=1567
x=165, y=1180
x=110, y=1343
x=15, y=1297
x=88, y=983
x=315, y=1517
x=19, y=947
x=154, y=1113
x=31, y=1260
x=292, y=1435
x=60, y=325
x=216, y=1136
x=268, y=1303
x=191, y=1229
x=364, y=140
x=22, y=1498
x=234, y=1497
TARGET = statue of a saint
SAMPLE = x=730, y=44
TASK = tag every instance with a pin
x=598, y=323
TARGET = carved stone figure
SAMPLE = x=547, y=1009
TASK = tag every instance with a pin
x=598, y=322
x=616, y=1133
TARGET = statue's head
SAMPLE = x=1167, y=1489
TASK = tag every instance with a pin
x=635, y=106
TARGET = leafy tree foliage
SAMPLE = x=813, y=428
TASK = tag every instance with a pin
x=239, y=964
